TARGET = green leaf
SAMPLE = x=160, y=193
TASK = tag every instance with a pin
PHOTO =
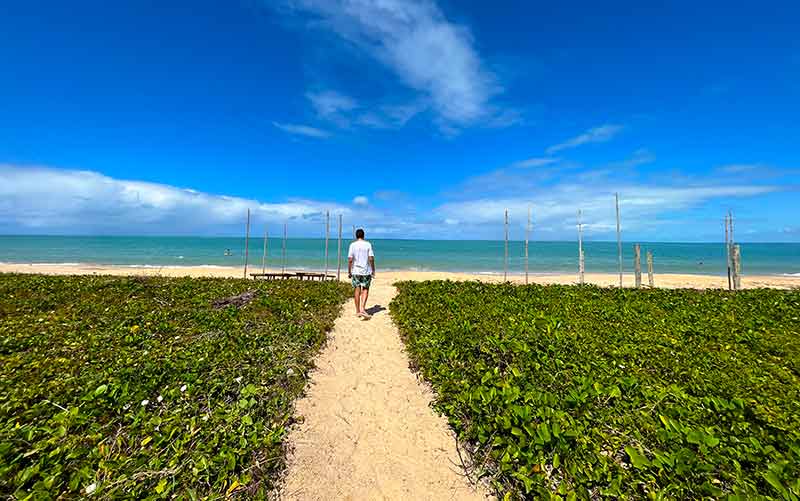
x=544, y=432
x=774, y=481
x=162, y=485
x=100, y=389
x=638, y=460
x=695, y=437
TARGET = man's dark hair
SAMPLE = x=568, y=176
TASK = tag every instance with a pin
x=359, y=233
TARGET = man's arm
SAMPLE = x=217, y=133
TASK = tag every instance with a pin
x=372, y=264
x=349, y=267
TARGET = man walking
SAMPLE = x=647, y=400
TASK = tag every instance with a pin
x=361, y=271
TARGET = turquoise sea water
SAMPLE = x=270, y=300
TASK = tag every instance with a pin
x=472, y=256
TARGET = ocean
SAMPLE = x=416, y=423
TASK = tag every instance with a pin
x=477, y=256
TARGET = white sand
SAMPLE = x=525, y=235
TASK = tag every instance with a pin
x=670, y=280
x=368, y=429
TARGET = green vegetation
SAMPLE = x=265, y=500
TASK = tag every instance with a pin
x=584, y=392
x=141, y=388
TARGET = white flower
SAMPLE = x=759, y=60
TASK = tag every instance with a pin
x=145, y=402
x=238, y=379
x=126, y=407
x=290, y=372
x=160, y=398
x=91, y=487
x=183, y=388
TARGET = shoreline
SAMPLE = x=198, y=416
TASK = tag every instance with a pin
x=662, y=280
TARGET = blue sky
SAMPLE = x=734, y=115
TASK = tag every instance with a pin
x=413, y=119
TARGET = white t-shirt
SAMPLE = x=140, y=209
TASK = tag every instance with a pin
x=361, y=251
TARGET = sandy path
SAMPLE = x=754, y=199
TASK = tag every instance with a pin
x=368, y=431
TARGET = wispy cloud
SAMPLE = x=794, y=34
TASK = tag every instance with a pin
x=535, y=162
x=346, y=112
x=302, y=130
x=740, y=168
x=360, y=200
x=42, y=199
x=640, y=157
x=414, y=40
x=601, y=134
x=330, y=103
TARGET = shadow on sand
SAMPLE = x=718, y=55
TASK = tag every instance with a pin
x=375, y=309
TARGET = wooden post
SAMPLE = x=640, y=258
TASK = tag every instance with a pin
x=728, y=251
x=283, y=251
x=737, y=267
x=327, y=233
x=505, y=259
x=581, y=262
x=650, y=268
x=264, y=256
x=339, y=252
x=637, y=264
x=527, y=237
x=247, y=244
x=619, y=240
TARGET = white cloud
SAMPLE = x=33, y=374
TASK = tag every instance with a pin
x=302, y=130
x=415, y=41
x=329, y=103
x=535, y=162
x=43, y=199
x=556, y=206
x=600, y=134
x=360, y=200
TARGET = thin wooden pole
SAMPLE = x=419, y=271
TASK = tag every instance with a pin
x=619, y=240
x=737, y=267
x=505, y=259
x=527, y=238
x=650, y=268
x=581, y=261
x=327, y=234
x=728, y=250
x=637, y=264
x=339, y=252
x=247, y=244
x=264, y=256
x=283, y=251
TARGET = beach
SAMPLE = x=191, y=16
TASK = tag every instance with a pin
x=346, y=441
x=666, y=280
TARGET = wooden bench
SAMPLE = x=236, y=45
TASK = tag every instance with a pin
x=272, y=276
x=304, y=275
x=300, y=275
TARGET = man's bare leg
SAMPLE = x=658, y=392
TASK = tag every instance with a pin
x=357, y=299
x=364, y=297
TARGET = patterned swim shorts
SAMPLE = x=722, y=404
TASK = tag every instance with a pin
x=363, y=281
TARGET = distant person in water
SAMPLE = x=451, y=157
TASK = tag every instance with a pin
x=361, y=270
